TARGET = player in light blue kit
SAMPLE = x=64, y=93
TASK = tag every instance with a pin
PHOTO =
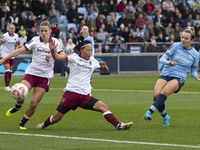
x=180, y=59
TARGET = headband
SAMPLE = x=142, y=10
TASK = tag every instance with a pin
x=86, y=45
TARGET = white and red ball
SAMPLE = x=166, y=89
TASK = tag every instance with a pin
x=19, y=91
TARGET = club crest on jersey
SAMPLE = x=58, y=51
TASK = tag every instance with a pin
x=90, y=62
x=190, y=56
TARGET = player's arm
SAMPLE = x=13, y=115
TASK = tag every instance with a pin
x=16, y=45
x=104, y=67
x=61, y=56
x=164, y=60
x=1, y=42
x=194, y=74
x=13, y=54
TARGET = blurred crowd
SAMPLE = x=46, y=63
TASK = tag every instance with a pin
x=113, y=24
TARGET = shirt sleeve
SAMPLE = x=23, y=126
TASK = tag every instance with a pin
x=196, y=62
x=30, y=44
x=193, y=72
x=2, y=38
x=59, y=47
x=164, y=59
x=17, y=38
x=97, y=66
x=170, y=51
x=70, y=57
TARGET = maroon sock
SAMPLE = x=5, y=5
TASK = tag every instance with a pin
x=7, y=77
x=111, y=118
x=47, y=122
x=17, y=106
x=24, y=120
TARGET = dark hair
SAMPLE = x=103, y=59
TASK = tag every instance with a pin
x=81, y=43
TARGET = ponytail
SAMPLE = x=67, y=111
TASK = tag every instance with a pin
x=191, y=31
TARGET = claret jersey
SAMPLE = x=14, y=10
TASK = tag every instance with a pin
x=39, y=66
x=8, y=44
x=80, y=74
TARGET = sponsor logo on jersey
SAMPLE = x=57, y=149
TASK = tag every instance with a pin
x=42, y=50
x=84, y=66
x=183, y=60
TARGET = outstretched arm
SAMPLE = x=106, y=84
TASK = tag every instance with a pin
x=194, y=73
x=13, y=54
x=52, y=46
x=104, y=67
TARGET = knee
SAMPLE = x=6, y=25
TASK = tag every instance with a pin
x=165, y=93
x=101, y=107
x=33, y=104
x=155, y=95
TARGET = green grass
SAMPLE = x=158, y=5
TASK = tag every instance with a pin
x=129, y=104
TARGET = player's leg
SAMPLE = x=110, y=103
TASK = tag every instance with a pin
x=171, y=87
x=56, y=117
x=7, y=75
x=97, y=105
x=38, y=93
x=68, y=101
x=157, y=90
x=18, y=104
x=160, y=84
x=12, y=62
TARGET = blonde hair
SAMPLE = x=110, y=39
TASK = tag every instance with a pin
x=191, y=31
x=45, y=23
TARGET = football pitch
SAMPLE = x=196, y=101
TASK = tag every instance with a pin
x=127, y=96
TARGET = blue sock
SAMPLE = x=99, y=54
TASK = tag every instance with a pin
x=158, y=103
x=162, y=110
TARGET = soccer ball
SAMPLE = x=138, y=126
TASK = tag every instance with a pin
x=19, y=91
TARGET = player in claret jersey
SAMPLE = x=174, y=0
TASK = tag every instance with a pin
x=77, y=91
x=39, y=71
x=9, y=42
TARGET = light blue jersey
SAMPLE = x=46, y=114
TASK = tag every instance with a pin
x=187, y=61
x=89, y=38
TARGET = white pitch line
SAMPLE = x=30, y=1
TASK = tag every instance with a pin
x=118, y=90
x=100, y=140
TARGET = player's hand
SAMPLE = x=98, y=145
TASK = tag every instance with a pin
x=198, y=77
x=52, y=45
x=104, y=68
x=172, y=63
x=1, y=61
x=102, y=64
x=48, y=57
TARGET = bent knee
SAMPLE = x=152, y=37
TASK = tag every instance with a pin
x=155, y=95
x=100, y=106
